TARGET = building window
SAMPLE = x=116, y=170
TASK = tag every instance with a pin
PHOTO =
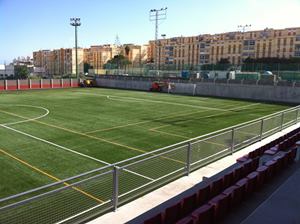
x=297, y=54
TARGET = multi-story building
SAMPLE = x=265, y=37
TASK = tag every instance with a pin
x=58, y=61
x=7, y=71
x=234, y=46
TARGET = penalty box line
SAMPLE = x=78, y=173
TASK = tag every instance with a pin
x=51, y=176
x=70, y=150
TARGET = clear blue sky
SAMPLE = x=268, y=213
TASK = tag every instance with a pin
x=29, y=25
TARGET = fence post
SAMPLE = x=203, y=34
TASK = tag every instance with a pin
x=261, y=129
x=51, y=83
x=30, y=84
x=297, y=114
x=281, y=125
x=61, y=83
x=18, y=84
x=41, y=83
x=5, y=85
x=188, y=158
x=115, y=187
x=71, y=82
x=232, y=141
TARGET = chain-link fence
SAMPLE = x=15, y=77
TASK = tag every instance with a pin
x=93, y=193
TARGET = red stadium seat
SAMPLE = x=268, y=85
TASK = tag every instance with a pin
x=248, y=166
x=242, y=159
x=228, y=179
x=235, y=195
x=262, y=175
x=216, y=187
x=242, y=184
x=186, y=220
x=255, y=163
x=221, y=204
x=270, y=152
x=280, y=160
x=271, y=167
x=173, y=213
x=238, y=173
x=157, y=219
x=189, y=204
x=252, y=182
x=204, y=214
x=203, y=194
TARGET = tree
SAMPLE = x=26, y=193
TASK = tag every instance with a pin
x=224, y=61
x=127, y=50
x=86, y=67
x=118, y=61
x=21, y=72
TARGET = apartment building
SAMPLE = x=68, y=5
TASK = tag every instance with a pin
x=58, y=61
x=234, y=46
x=62, y=61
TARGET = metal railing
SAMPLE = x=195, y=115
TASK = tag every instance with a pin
x=87, y=195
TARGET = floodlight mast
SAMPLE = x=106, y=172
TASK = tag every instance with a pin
x=244, y=27
x=75, y=22
x=156, y=15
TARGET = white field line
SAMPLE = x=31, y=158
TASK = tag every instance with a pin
x=31, y=119
x=69, y=150
x=110, y=97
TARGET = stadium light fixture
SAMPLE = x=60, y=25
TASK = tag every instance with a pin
x=156, y=15
x=75, y=22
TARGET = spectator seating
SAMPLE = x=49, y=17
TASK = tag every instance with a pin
x=212, y=201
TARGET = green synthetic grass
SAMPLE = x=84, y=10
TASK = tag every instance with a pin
x=109, y=125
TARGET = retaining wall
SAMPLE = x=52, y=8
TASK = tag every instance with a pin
x=285, y=94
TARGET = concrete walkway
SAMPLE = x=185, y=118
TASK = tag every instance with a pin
x=149, y=201
x=283, y=206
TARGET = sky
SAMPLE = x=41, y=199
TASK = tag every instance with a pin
x=30, y=25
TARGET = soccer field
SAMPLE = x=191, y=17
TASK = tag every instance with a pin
x=49, y=135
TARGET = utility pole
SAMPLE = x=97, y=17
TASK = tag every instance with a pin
x=75, y=22
x=156, y=15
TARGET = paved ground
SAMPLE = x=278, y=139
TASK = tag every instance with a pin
x=272, y=202
x=282, y=206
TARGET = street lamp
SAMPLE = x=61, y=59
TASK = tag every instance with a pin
x=75, y=22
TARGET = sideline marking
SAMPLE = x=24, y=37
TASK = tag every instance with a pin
x=50, y=175
x=27, y=120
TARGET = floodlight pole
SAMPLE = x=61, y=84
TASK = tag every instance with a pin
x=75, y=22
x=244, y=27
x=156, y=15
